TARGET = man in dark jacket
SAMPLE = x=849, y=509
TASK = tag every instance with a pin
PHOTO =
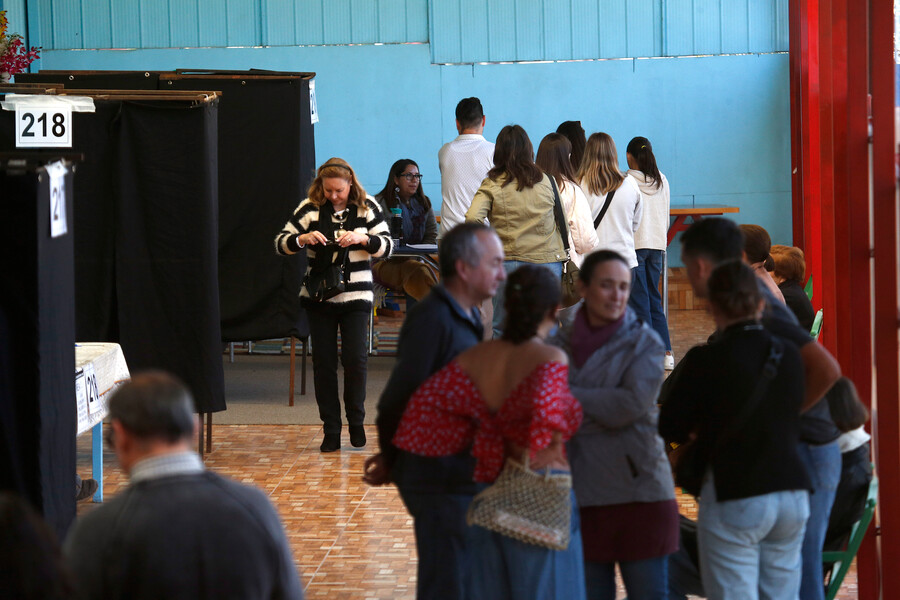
x=437, y=491
x=177, y=531
x=707, y=244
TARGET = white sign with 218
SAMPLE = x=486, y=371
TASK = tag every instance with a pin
x=43, y=127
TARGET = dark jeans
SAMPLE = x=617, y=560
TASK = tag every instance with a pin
x=440, y=527
x=323, y=328
x=824, y=466
x=645, y=299
x=644, y=579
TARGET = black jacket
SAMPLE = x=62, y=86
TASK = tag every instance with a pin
x=435, y=331
x=797, y=300
x=715, y=381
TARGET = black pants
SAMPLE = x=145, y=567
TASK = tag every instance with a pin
x=323, y=327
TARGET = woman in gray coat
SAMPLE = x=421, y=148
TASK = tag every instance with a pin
x=620, y=473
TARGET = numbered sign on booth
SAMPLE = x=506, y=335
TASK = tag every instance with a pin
x=57, y=173
x=43, y=127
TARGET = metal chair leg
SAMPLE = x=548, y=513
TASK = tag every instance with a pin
x=304, y=342
x=209, y=432
x=291, y=385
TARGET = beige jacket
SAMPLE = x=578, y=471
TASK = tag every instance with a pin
x=524, y=220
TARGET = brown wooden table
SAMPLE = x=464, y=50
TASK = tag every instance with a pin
x=681, y=214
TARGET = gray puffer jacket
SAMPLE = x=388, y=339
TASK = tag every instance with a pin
x=617, y=455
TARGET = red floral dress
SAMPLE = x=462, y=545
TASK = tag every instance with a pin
x=447, y=414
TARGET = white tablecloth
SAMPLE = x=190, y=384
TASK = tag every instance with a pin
x=109, y=369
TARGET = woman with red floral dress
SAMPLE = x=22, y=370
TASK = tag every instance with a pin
x=505, y=398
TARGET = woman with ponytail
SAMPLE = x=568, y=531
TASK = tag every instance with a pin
x=507, y=398
x=650, y=241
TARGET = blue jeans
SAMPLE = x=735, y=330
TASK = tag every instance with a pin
x=750, y=548
x=824, y=466
x=645, y=299
x=503, y=568
x=509, y=266
x=644, y=579
x=440, y=527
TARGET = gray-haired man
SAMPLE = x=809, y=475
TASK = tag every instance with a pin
x=178, y=531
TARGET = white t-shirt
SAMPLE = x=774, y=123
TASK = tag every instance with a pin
x=464, y=164
x=616, y=231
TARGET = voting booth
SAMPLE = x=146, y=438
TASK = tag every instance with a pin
x=37, y=335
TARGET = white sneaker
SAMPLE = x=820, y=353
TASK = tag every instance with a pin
x=669, y=361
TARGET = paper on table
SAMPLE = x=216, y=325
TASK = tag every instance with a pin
x=422, y=246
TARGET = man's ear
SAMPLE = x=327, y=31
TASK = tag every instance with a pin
x=705, y=267
x=462, y=270
x=580, y=288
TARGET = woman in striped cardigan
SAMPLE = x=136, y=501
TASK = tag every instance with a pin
x=338, y=223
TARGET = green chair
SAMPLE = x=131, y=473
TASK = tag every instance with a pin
x=842, y=560
x=817, y=325
x=809, y=288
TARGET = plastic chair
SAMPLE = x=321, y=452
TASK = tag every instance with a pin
x=842, y=560
x=817, y=325
x=809, y=288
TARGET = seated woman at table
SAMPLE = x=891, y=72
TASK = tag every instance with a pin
x=403, y=190
x=757, y=245
x=790, y=268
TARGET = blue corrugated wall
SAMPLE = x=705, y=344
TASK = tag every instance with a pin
x=460, y=31
x=720, y=125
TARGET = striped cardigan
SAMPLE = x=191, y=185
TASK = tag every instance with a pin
x=369, y=221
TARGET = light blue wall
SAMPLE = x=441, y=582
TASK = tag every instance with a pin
x=720, y=125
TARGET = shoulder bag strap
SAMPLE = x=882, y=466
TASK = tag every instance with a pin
x=560, y=216
x=605, y=208
x=769, y=370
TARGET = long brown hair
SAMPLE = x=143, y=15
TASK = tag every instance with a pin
x=341, y=169
x=514, y=157
x=599, y=171
x=387, y=192
x=553, y=158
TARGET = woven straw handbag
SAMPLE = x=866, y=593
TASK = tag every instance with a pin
x=531, y=507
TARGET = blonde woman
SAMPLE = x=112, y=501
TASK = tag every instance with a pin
x=616, y=218
x=337, y=224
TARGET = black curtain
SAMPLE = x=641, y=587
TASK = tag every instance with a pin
x=146, y=244
x=37, y=348
x=166, y=237
x=266, y=163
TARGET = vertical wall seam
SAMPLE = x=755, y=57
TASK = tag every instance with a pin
x=664, y=33
x=459, y=40
x=750, y=26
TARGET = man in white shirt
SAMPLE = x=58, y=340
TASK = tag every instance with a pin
x=464, y=163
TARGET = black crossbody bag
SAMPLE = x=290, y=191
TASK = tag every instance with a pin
x=689, y=466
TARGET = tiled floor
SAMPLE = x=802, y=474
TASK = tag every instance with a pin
x=349, y=540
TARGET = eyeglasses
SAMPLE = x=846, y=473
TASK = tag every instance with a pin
x=412, y=176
